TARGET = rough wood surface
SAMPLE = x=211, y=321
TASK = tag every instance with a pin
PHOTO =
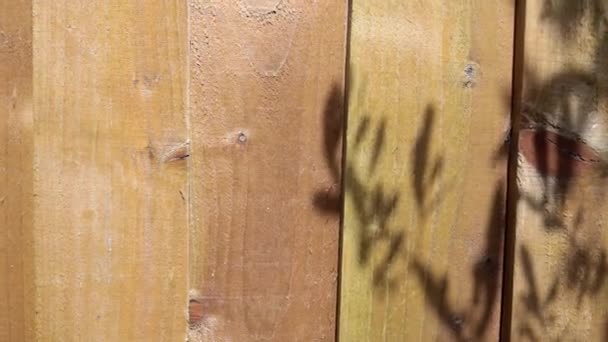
x=110, y=137
x=265, y=101
x=16, y=305
x=559, y=290
x=425, y=174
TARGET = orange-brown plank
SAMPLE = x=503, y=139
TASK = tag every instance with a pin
x=264, y=240
x=16, y=309
x=110, y=138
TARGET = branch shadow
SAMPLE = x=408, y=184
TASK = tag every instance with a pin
x=472, y=322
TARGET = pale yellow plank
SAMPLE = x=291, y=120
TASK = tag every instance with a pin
x=425, y=172
x=560, y=290
x=264, y=248
x=16, y=309
x=110, y=137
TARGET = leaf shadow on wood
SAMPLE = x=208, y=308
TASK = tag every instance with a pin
x=330, y=199
x=426, y=172
x=472, y=322
x=555, y=112
x=557, y=157
x=373, y=205
x=585, y=273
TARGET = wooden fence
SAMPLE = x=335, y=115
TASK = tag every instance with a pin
x=290, y=170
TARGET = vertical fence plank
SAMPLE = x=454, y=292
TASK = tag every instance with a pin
x=265, y=99
x=110, y=142
x=16, y=310
x=425, y=171
x=559, y=290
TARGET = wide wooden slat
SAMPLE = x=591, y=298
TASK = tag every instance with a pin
x=16, y=148
x=110, y=142
x=265, y=101
x=425, y=170
x=561, y=246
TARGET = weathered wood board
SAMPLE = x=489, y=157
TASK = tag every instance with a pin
x=425, y=170
x=165, y=158
x=110, y=234
x=559, y=286
x=266, y=81
x=16, y=309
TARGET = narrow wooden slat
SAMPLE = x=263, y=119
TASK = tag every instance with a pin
x=425, y=170
x=265, y=101
x=561, y=246
x=110, y=141
x=16, y=309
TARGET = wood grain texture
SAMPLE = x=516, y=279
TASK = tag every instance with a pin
x=425, y=174
x=110, y=225
x=265, y=87
x=559, y=287
x=16, y=148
